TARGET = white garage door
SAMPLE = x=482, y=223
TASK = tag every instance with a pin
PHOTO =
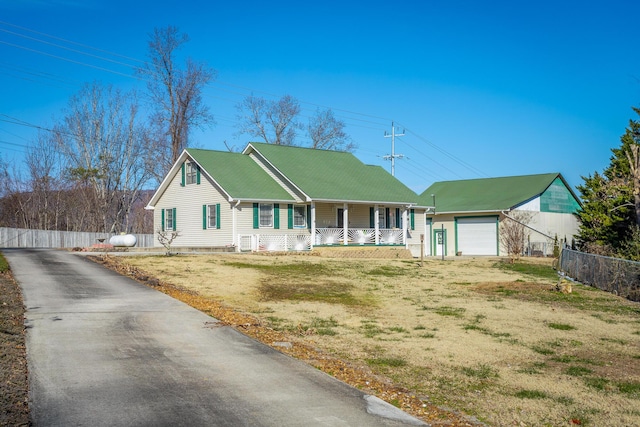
x=477, y=236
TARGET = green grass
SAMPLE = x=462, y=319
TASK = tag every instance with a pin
x=561, y=326
x=316, y=291
x=542, y=350
x=371, y=330
x=449, y=311
x=387, y=271
x=577, y=371
x=539, y=271
x=597, y=383
x=534, y=369
x=482, y=372
x=324, y=326
x=531, y=394
x=632, y=389
x=391, y=362
x=4, y=265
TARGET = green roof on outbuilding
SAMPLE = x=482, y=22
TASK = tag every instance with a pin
x=493, y=194
x=239, y=175
x=335, y=175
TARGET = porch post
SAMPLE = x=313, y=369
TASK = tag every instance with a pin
x=313, y=224
x=405, y=229
x=376, y=221
x=345, y=223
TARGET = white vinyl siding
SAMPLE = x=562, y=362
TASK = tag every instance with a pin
x=188, y=201
x=477, y=235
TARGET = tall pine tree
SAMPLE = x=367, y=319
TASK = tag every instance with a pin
x=610, y=210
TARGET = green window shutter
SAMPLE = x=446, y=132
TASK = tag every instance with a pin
x=218, y=215
x=413, y=219
x=204, y=217
x=256, y=216
x=182, y=172
x=289, y=216
x=386, y=217
x=372, y=219
x=198, y=176
x=162, y=219
x=309, y=217
x=174, y=219
x=398, y=219
x=276, y=215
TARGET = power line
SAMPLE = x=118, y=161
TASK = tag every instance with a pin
x=352, y=118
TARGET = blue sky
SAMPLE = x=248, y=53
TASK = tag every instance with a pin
x=481, y=89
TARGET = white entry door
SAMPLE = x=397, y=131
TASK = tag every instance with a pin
x=440, y=242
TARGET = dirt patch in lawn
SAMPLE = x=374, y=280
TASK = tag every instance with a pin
x=492, y=341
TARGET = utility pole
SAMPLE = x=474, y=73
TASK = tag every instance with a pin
x=393, y=155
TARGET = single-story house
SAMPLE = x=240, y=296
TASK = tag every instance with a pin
x=469, y=213
x=274, y=197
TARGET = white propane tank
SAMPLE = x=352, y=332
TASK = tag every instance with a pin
x=127, y=240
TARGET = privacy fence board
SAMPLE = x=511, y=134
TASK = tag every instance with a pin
x=25, y=238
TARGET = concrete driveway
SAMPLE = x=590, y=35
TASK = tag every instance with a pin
x=104, y=350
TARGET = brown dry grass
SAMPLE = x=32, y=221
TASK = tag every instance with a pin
x=468, y=334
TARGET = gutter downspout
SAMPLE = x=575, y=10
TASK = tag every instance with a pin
x=234, y=227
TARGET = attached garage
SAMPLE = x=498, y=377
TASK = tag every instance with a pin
x=477, y=235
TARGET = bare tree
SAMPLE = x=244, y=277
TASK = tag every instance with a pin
x=47, y=181
x=175, y=94
x=514, y=232
x=105, y=150
x=327, y=132
x=274, y=122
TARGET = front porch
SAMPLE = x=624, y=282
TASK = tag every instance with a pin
x=333, y=224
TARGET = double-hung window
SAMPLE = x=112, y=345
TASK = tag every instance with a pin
x=191, y=173
x=169, y=219
x=299, y=216
x=266, y=215
x=212, y=216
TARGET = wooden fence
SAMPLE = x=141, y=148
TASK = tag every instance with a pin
x=25, y=238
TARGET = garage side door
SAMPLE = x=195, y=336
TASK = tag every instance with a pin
x=477, y=236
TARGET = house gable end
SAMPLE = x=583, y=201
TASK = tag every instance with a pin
x=557, y=198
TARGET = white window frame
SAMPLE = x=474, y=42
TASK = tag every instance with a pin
x=211, y=217
x=261, y=216
x=168, y=219
x=191, y=174
x=303, y=209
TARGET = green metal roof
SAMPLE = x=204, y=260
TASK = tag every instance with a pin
x=335, y=175
x=489, y=194
x=239, y=175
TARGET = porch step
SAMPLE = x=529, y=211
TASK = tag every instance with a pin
x=362, y=252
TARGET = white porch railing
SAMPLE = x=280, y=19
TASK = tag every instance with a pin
x=274, y=242
x=391, y=237
x=358, y=236
x=324, y=236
